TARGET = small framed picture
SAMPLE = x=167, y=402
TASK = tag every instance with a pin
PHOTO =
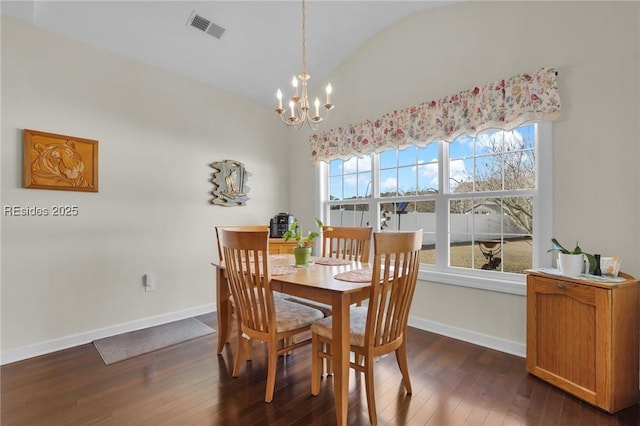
x=610, y=265
x=60, y=162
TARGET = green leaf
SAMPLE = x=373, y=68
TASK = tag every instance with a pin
x=557, y=247
x=592, y=262
x=577, y=250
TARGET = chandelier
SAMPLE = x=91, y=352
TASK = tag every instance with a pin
x=299, y=107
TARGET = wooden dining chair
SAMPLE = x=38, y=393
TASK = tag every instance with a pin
x=380, y=327
x=221, y=259
x=347, y=242
x=259, y=315
x=342, y=242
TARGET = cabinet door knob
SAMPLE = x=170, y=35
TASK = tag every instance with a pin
x=562, y=286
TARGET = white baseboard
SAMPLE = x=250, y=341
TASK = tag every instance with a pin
x=18, y=354
x=499, y=344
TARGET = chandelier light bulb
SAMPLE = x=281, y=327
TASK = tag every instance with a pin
x=294, y=83
x=293, y=110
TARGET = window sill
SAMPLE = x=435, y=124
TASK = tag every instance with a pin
x=513, y=284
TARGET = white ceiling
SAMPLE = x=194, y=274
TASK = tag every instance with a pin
x=260, y=50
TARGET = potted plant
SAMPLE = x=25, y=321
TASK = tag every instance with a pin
x=571, y=262
x=305, y=243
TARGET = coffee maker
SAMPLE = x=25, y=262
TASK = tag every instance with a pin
x=280, y=224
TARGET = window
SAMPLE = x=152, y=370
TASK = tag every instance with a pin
x=477, y=200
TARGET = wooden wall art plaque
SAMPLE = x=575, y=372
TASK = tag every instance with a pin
x=230, y=183
x=60, y=162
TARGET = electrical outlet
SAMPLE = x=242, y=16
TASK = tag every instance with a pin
x=149, y=282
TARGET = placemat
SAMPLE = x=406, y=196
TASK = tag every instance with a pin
x=277, y=256
x=282, y=270
x=355, y=276
x=332, y=261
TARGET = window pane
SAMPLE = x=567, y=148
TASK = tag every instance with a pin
x=489, y=143
x=428, y=179
x=461, y=175
x=461, y=148
x=487, y=219
x=364, y=185
x=426, y=220
x=407, y=181
x=388, y=183
x=388, y=159
x=350, y=165
x=350, y=186
x=517, y=254
x=460, y=251
x=488, y=176
x=428, y=154
x=349, y=215
x=518, y=216
x=335, y=167
x=364, y=164
x=519, y=170
x=335, y=188
x=487, y=254
x=407, y=156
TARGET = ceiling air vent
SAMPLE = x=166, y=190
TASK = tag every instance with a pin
x=205, y=25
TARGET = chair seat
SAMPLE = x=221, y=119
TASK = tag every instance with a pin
x=357, y=326
x=323, y=307
x=276, y=295
x=292, y=315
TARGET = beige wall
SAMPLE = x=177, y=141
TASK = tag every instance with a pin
x=69, y=279
x=64, y=279
x=593, y=45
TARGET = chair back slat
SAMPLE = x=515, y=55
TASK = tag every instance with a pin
x=247, y=265
x=347, y=242
x=395, y=273
x=237, y=228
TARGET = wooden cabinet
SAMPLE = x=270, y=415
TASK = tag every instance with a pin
x=584, y=337
x=279, y=246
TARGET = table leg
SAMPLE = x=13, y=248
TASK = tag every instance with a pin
x=224, y=308
x=340, y=334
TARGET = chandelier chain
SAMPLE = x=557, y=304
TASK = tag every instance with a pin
x=304, y=40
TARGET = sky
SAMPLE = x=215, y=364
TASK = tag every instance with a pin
x=416, y=167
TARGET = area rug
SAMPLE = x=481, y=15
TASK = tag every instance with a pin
x=128, y=345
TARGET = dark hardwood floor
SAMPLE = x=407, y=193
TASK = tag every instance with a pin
x=454, y=383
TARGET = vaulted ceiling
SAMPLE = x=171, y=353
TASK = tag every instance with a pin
x=259, y=50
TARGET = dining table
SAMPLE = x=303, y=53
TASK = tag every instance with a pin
x=335, y=282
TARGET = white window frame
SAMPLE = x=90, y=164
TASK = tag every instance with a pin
x=504, y=282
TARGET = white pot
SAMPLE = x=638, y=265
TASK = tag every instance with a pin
x=571, y=264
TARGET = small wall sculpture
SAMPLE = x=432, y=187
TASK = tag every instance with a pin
x=229, y=180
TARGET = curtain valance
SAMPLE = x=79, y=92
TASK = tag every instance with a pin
x=505, y=104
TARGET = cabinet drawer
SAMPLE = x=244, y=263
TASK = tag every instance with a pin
x=579, y=292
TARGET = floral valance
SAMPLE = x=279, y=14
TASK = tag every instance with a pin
x=505, y=104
